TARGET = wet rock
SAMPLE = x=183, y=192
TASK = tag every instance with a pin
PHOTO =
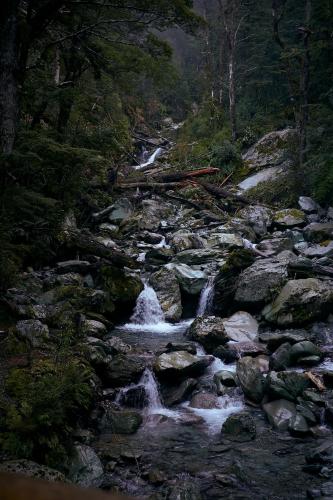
x=241, y=349
x=223, y=379
x=86, y=469
x=181, y=346
x=300, y=301
x=150, y=238
x=274, y=246
x=190, y=280
x=186, y=241
x=308, y=205
x=289, y=218
x=258, y=217
x=123, y=370
x=98, y=354
x=286, y=385
x=204, y=400
x=241, y=327
x=32, y=469
x=117, y=346
x=307, y=413
x=208, y=331
x=279, y=413
x=134, y=397
x=226, y=281
x=157, y=477
x=122, y=209
x=34, y=331
x=261, y=282
x=198, y=257
x=121, y=422
x=281, y=358
x=322, y=454
x=317, y=232
x=167, y=290
x=275, y=339
x=324, y=249
x=306, y=349
x=298, y=425
x=159, y=256
x=271, y=150
x=177, y=394
x=239, y=427
x=251, y=379
x=93, y=328
x=184, y=489
x=180, y=364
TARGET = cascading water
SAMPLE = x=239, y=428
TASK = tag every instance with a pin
x=148, y=310
x=206, y=298
x=151, y=159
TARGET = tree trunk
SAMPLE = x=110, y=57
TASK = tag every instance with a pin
x=9, y=98
x=232, y=94
x=304, y=88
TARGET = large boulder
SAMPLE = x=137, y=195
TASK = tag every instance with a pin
x=198, y=256
x=226, y=281
x=251, y=379
x=308, y=205
x=121, y=422
x=180, y=364
x=190, y=280
x=122, y=209
x=240, y=427
x=86, y=469
x=167, y=290
x=300, y=301
x=280, y=413
x=174, y=395
x=262, y=281
x=289, y=218
x=209, y=331
x=241, y=327
x=277, y=338
x=224, y=240
x=258, y=217
x=317, y=232
x=273, y=149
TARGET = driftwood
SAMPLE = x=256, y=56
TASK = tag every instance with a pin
x=188, y=174
x=150, y=185
x=315, y=380
x=219, y=193
x=86, y=242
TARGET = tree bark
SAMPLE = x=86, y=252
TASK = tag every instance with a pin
x=9, y=70
x=304, y=87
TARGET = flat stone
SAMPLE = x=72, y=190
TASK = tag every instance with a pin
x=279, y=413
x=241, y=327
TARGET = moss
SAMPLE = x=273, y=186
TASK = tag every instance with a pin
x=277, y=192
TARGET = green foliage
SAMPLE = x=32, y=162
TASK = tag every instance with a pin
x=45, y=403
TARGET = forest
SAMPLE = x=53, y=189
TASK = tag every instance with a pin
x=166, y=249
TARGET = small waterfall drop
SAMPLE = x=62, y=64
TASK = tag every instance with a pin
x=206, y=298
x=151, y=159
x=148, y=310
x=149, y=382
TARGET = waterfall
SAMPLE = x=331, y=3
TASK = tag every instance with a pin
x=149, y=382
x=206, y=298
x=151, y=159
x=148, y=310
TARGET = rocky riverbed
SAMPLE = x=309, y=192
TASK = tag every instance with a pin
x=212, y=349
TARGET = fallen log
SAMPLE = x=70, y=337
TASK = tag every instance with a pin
x=150, y=185
x=188, y=174
x=87, y=243
x=219, y=193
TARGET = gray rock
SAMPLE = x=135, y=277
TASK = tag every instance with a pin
x=34, y=331
x=322, y=454
x=240, y=427
x=209, y=331
x=275, y=246
x=308, y=205
x=123, y=370
x=134, y=397
x=241, y=327
x=279, y=413
x=177, y=394
x=259, y=283
x=93, y=328
x=121, y=422
x=32, y=469
x=73, y=266
x=258, y=217
x=167, y=290
x=204, y=400
x=199, y=256
x=181, y=346
x=224, y=240
x=275, y=339
x=224, y=379
x=86, y=469
x=300, y=301
x=180, y=364
x=186, y=241
x=312, y=251
x=303, y=350
x=122, y=209
x=190, y=280
x=286, y=385
x=289, y=218
x=117, y=346
x=251, y=379
x=281, y=358
x=298, y=426
x=318, y=232
x=271, y=150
